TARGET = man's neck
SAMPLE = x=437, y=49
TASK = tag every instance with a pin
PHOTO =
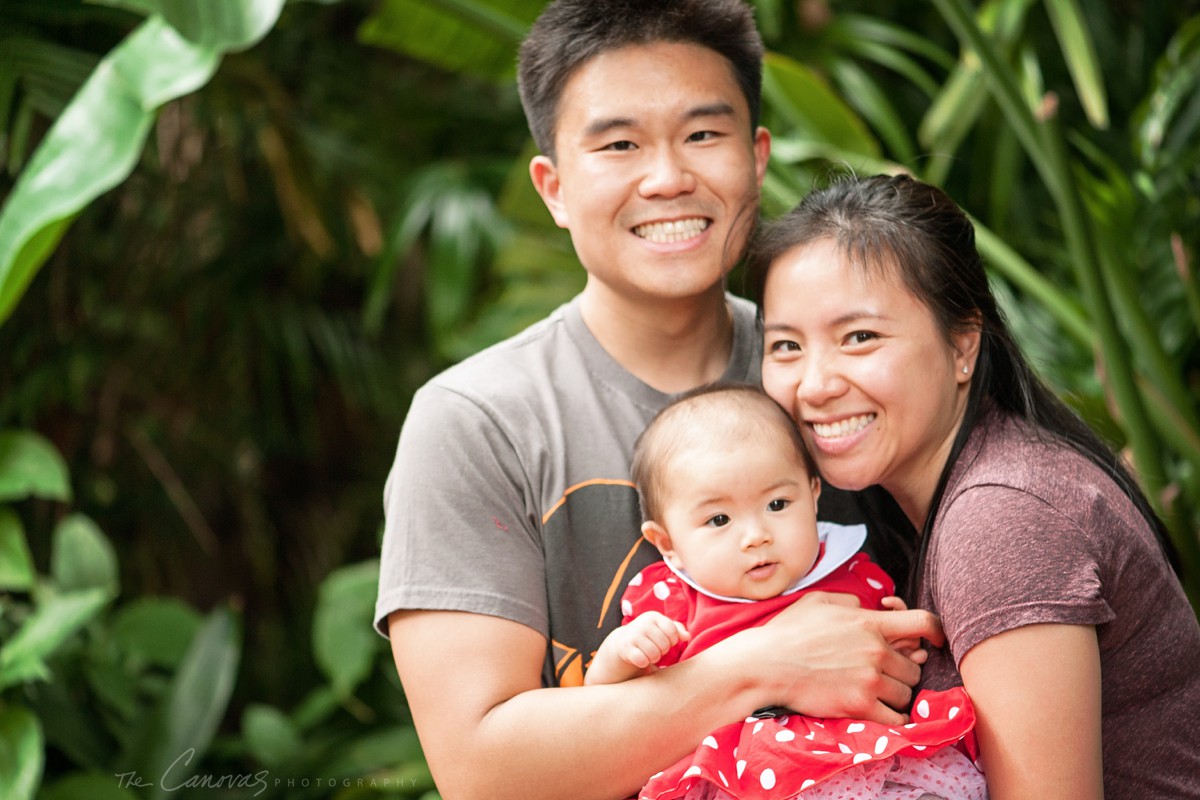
x=672, y=346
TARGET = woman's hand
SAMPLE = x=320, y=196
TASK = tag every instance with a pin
x=907, y=645
x=825, y=657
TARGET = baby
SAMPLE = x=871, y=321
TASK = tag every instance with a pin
x=729, y=496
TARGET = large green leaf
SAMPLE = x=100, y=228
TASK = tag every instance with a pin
x=811, y=109
x=31, y=467
x=271, y=737
x=1067, y=19
x=175, y=739
x=478, y=37
x=16, y=564
x=81, y=556
x=98, y=139
x=344, y=644
x=54, y=620
x=21, y=756
x=155, y=630
x=223, y=25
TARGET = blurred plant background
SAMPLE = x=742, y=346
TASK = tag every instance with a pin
x=237, y=235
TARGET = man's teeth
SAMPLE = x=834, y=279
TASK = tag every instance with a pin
x=675, y=231
x=843, y=427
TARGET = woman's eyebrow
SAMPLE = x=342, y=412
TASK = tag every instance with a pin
x=842, y=319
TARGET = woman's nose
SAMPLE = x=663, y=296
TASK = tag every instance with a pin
x=820, y=381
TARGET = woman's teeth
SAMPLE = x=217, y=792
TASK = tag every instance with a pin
x=845, y=427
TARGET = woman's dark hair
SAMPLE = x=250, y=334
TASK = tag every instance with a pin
x=884, y=223
x=570, y=32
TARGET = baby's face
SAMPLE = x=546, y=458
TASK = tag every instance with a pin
x=741, y=520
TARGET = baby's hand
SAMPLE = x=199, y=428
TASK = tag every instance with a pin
x=645, y=639
x=909, y=647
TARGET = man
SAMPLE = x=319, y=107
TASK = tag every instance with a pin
x=511, y=522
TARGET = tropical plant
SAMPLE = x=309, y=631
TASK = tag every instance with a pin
x=113, y=691
x=240, y=253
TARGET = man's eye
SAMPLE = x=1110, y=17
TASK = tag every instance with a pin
x=703, y=136
x=718, y=521
x=620, y=146
x=778, y=504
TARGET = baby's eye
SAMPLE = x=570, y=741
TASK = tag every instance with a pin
x=778, y=504
x=718, y=521
x=861, y=337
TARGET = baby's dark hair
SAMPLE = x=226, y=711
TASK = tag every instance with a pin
x=726, y=412
x=570, y=32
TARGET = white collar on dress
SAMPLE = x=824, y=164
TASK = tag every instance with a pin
x=841, y=543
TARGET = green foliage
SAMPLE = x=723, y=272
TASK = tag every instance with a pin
x=240, y=253
x=95, y=143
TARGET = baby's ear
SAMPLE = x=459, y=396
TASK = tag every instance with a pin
x=815, y=483
x=657, y=535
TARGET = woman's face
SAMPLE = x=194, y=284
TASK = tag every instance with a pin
x=862, y=367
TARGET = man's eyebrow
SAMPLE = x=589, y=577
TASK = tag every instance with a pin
x=601, y=126
x=718, y=109
x=598, y=127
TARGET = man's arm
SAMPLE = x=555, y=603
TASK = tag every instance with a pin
x=489, y=730
x=1036, y=692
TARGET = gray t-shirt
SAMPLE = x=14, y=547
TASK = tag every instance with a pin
x=1029, y=533
x=510, y=493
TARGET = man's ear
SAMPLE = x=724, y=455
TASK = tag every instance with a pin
x=544, y=174
x=657, y=535
x=762, y=153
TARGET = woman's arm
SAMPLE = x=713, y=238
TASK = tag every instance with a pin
x=489, y=731
x=1036, y=692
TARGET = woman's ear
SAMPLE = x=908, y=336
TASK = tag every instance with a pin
x=966, y=348
x=544, y=175
x=657, y=535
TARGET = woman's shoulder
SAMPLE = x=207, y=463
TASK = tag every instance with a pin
x=1005, y=450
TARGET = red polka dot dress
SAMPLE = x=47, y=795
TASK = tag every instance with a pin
x=789, y=755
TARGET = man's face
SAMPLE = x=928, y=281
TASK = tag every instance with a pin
x=657, y=173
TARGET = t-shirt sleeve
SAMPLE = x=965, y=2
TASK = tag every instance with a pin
x=1003, y=559
x=461, y=530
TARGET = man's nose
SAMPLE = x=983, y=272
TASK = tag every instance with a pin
x=668, y=174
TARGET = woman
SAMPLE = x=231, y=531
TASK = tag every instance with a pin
x=1063, y=617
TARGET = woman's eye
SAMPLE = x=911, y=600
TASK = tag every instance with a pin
x=785, y=346
x=778, y=504
x=718, y=521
